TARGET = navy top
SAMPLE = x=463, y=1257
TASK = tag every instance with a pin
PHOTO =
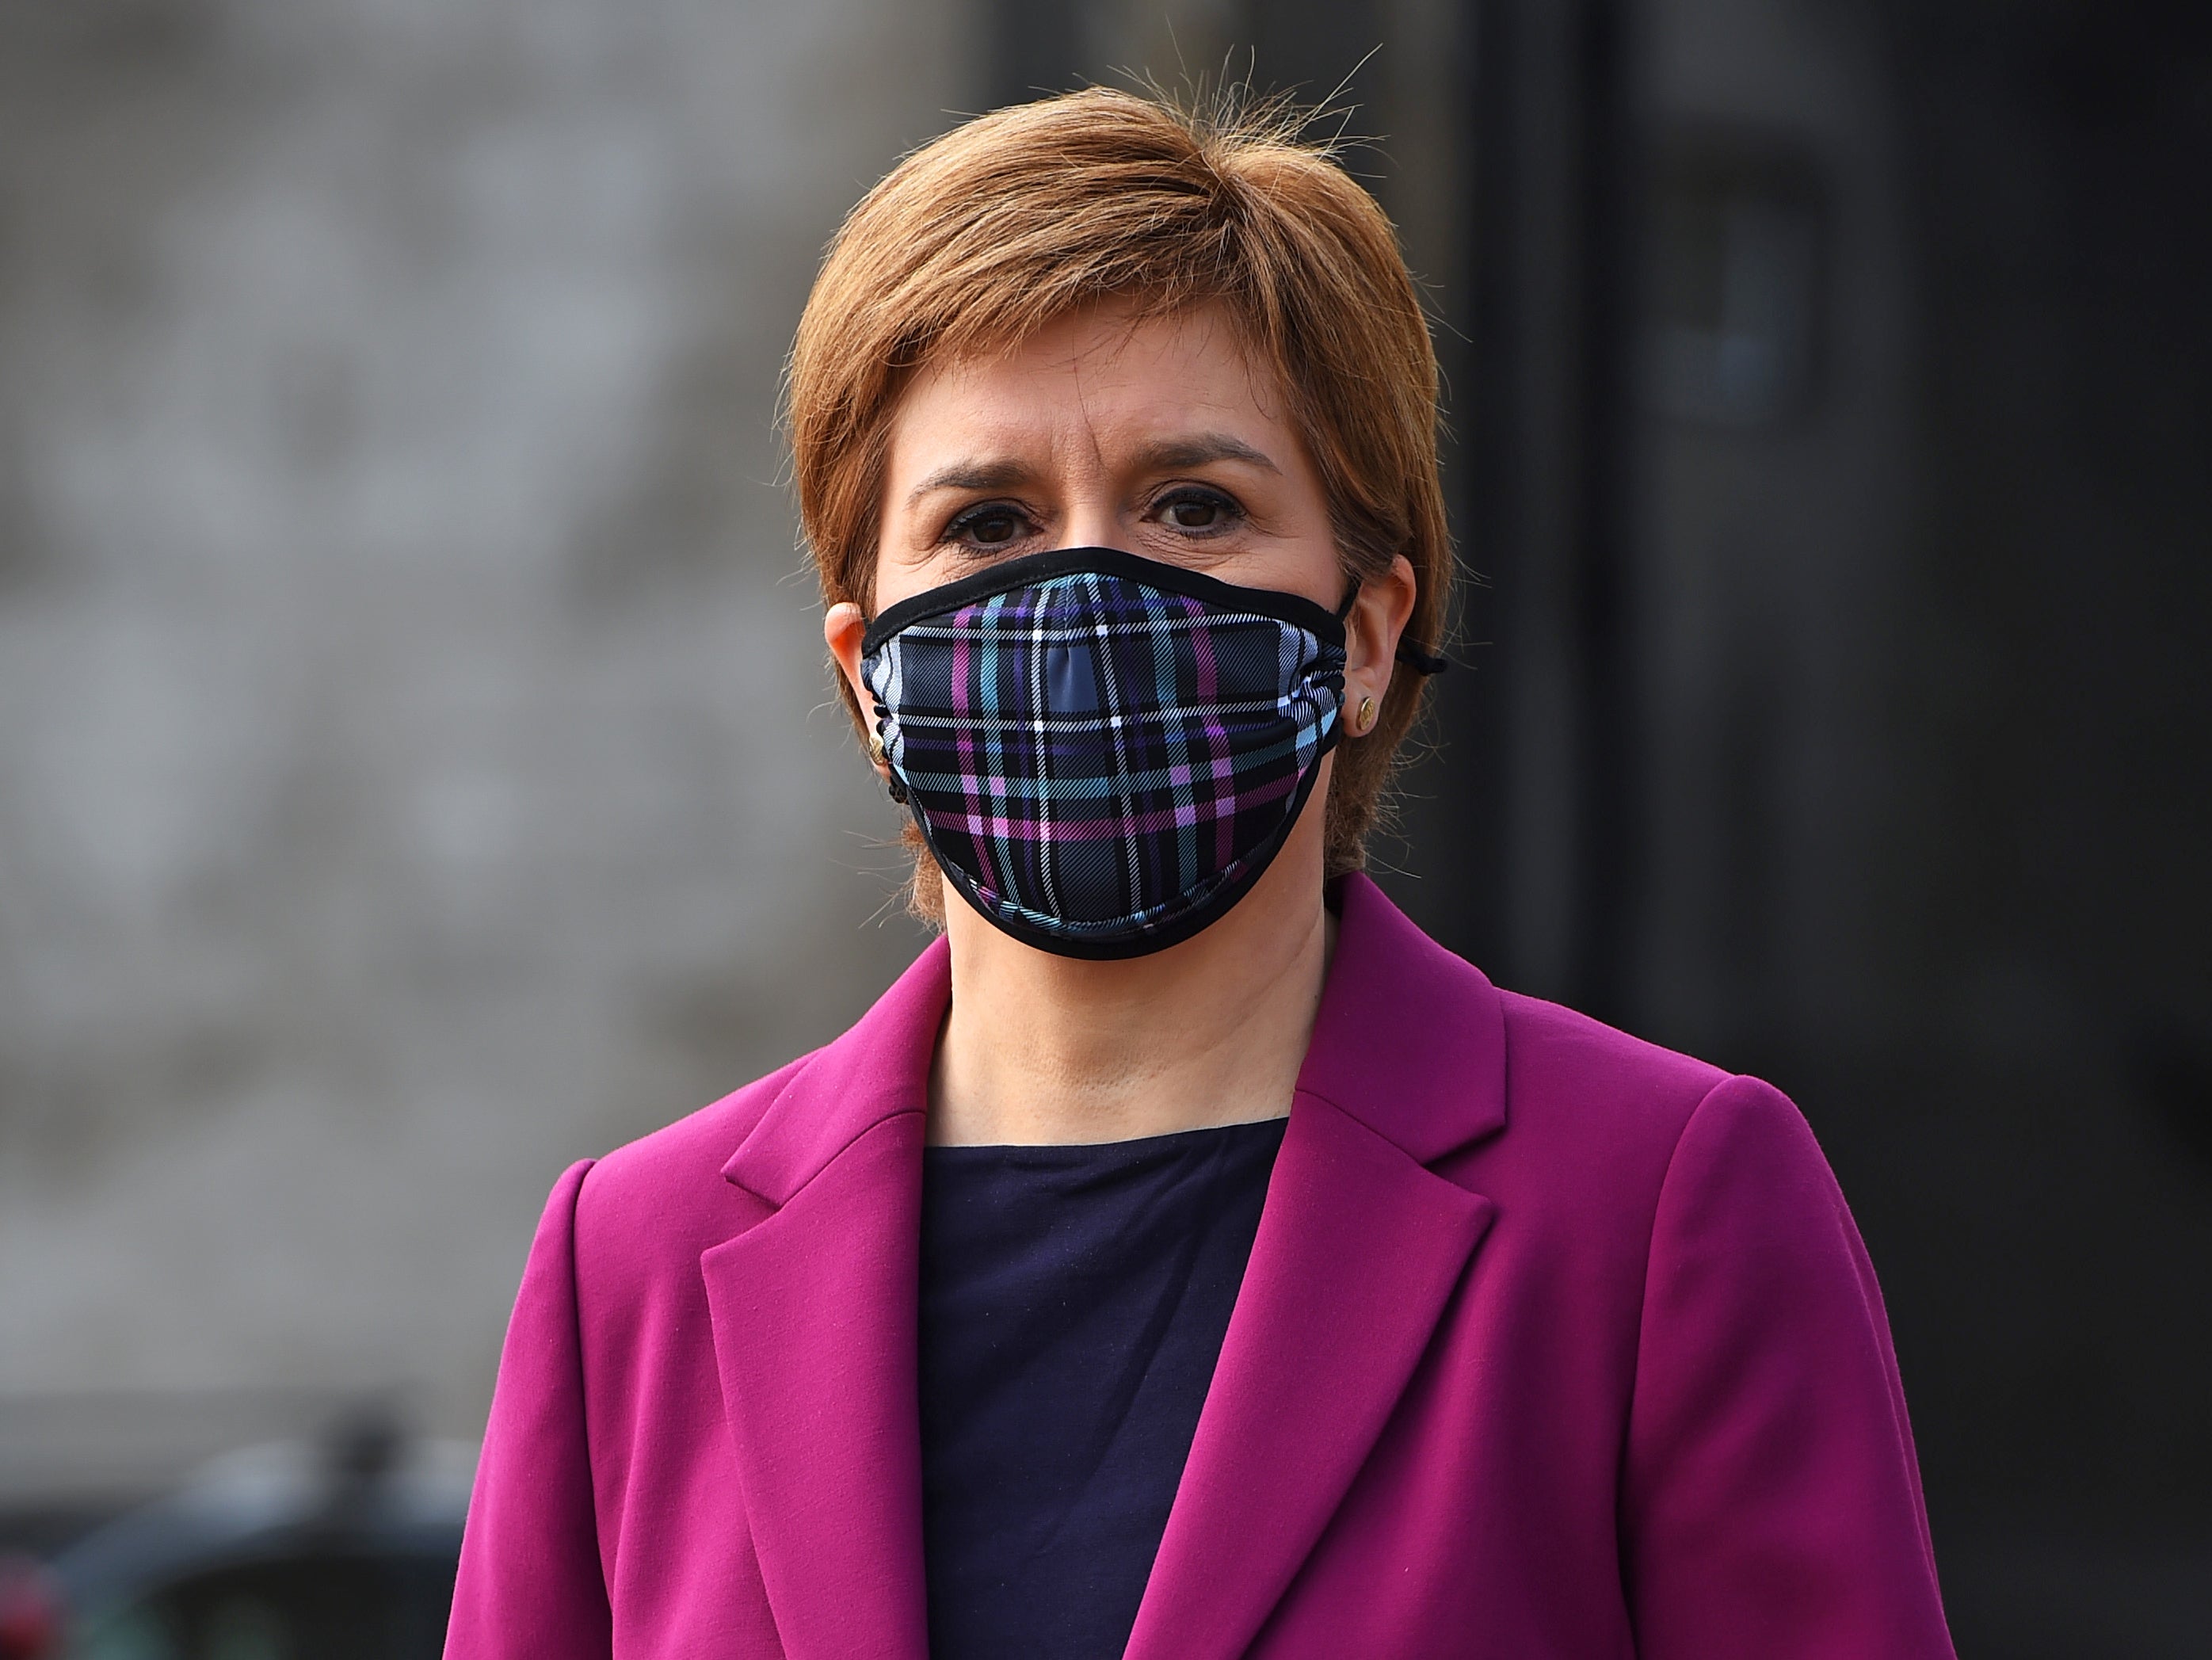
x=1073, y=1301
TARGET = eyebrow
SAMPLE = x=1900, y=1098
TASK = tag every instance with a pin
x=1173, y=454
x=1167, y=455
x=971, y=475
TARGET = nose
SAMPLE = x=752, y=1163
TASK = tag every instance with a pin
x=1094, y=521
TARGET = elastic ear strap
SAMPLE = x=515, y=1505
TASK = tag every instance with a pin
x=1411, y=655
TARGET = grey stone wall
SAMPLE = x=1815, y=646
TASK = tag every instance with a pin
x=417, y=764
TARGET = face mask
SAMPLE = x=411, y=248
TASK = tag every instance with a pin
x=1103, y=752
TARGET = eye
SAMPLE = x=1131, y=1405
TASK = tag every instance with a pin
x=988, y=525
x=1199, y=511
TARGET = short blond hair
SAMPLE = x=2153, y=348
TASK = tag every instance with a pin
x=1011, y=220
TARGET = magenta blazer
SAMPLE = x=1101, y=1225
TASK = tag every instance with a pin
x=1554, y=1346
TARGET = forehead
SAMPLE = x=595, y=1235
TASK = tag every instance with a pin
x=1104, y=374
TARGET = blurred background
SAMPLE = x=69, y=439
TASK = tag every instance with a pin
x=417, y=767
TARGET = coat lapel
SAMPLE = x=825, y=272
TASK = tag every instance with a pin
x=814, y=1318
x=1360, y=1246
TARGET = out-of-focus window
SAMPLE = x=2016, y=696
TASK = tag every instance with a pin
x=1738, y=234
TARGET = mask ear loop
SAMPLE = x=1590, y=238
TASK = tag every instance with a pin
x=1421, y=662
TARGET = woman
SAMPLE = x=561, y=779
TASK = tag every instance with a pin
x=1186, y=1256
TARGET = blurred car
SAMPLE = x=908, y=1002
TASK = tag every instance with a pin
x=30, y=1609
x=291, y=1551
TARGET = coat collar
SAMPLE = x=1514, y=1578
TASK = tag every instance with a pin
x=878, y=1070
x=1410, y=1040
x=1360, y=1246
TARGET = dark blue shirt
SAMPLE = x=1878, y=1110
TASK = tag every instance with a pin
x=1073, y=1300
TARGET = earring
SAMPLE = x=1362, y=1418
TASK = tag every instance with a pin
x=875, y=753
x=1365, y=721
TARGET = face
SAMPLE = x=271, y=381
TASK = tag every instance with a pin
x=1156, y=437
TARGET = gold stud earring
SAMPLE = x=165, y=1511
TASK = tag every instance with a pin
x=877, y=754
x=1365, y=720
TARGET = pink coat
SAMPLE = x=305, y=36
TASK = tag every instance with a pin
x=1554, y=1346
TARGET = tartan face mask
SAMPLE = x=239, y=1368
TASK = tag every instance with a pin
x=1103, y=752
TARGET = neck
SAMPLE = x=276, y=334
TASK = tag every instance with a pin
x=1040, y=1048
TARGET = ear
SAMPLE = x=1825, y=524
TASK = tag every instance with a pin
x=843, y=629
x=1371, y=634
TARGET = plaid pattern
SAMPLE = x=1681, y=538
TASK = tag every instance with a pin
x=1104, y=761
